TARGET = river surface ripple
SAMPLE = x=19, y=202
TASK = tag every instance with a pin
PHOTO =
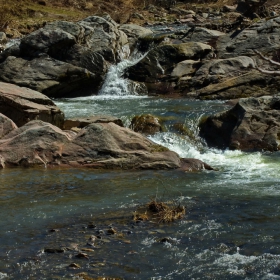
x=230, y=230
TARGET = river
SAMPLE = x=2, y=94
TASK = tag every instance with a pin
x=230, y=230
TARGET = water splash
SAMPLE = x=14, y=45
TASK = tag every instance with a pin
x=115, y=84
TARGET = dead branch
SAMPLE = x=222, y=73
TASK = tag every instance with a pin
x=270, y=72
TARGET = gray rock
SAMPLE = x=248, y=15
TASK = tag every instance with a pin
x=160, y=62
x=263, y=36
x=252, y=124
x=133, y=32
x=52, y=77
x=252, y=83
x=217, y=70
x=185, y=68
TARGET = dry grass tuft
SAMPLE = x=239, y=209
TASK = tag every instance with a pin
x=161, y=212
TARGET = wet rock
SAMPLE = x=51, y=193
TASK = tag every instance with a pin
x=83, y=122
x=91, y=240
x=82, y=256
x=192, y=165
x=54, y=250
x=147, y=124
x=91, y=226
x=23, y=105
x=74, y=266
x=54, y=230
x=111, y=231
x=252, y=124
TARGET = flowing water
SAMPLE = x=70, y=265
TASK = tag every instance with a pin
x=230, y=230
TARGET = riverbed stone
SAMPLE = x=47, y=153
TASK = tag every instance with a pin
x=146, y=124
x=252, y=124
x=22, y=105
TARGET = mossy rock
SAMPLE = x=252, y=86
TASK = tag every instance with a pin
x=146, y=124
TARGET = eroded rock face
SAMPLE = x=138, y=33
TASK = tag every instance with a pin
x=252, y=124
x=6, y=125
x=99, y=145
x=263, y=36
x=23, y=105
x=65, y=58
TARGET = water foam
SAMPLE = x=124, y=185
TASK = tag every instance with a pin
x=115, y=85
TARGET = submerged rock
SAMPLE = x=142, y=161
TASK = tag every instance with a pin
x=252, y=124
x=146, y=124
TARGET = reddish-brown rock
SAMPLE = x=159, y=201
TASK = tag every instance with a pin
x=6, y=125
x=103, y=145
x=23, y=105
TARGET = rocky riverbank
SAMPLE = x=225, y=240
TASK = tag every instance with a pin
x=72, y=58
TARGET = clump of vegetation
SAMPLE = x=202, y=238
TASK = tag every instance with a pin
x=161, y=212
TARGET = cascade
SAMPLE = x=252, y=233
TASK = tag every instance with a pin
x=115, y=84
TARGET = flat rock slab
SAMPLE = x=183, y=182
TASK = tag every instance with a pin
x=22, y=105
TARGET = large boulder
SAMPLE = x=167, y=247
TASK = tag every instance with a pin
x=252, y=124
x=99, y=145
x=49, y=76
x=217, y=70
x=65, y=58
x=23, y=105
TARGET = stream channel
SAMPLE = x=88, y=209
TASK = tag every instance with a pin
x=231, y=229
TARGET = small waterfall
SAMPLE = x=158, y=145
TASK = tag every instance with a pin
x=115, y=84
